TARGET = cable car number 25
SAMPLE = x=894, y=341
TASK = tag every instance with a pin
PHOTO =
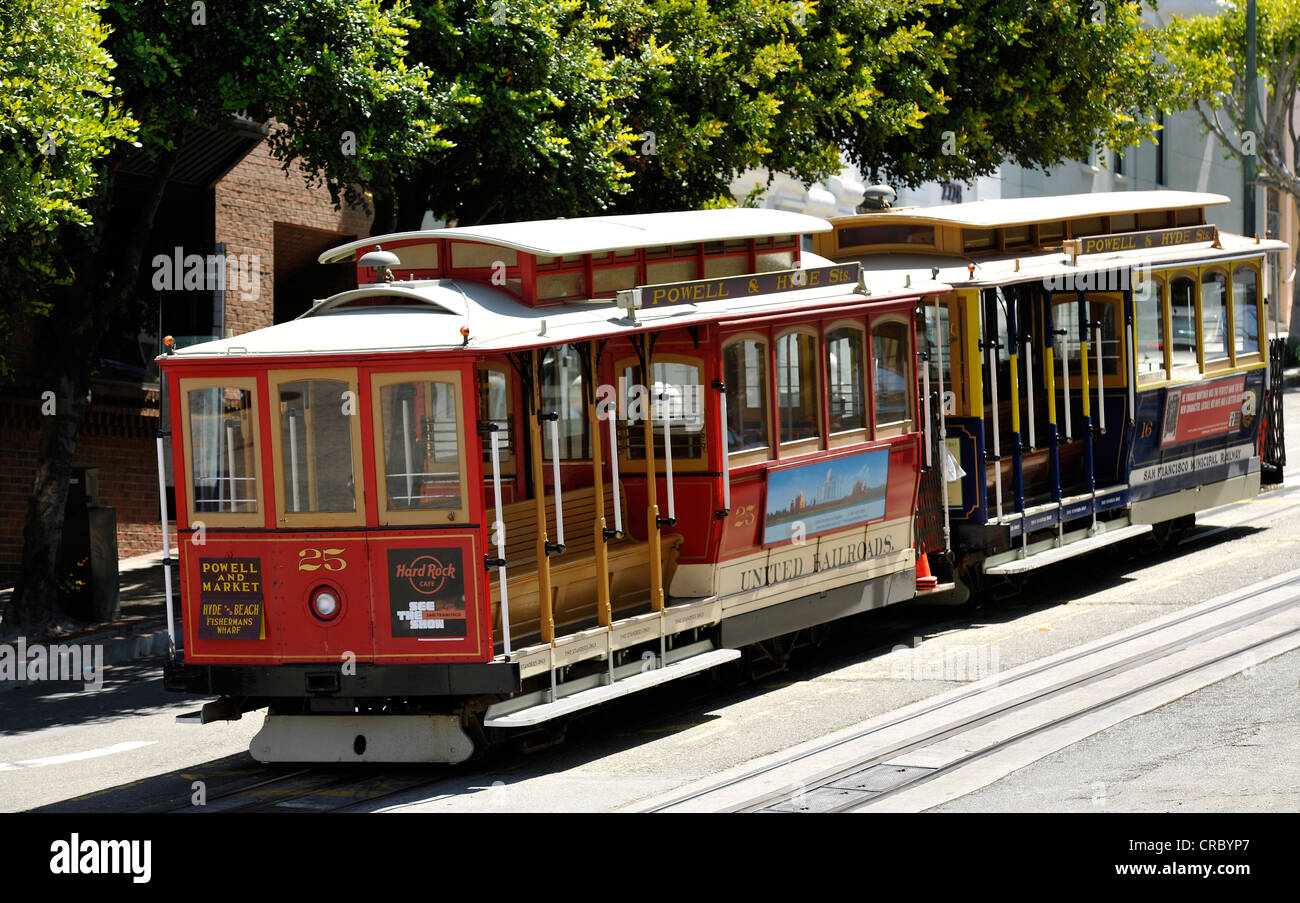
x=315, y=559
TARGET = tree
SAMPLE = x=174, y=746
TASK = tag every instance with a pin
x=1206, y=72
x=562, y=108
x=323, y=68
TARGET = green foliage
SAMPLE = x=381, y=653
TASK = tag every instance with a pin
x=1207, y=65
x=59, y=119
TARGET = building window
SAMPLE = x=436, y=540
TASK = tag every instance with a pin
x=744, y=364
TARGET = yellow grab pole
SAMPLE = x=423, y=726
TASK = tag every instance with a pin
x=1050, y=378
x=604, y=613
x=545, y=616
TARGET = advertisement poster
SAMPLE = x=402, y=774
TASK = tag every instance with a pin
x=230, y=598
x=825, y=495
x=426, y=593
x=1211, y=409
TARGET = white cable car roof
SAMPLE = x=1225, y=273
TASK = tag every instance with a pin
x=599, y=234
x=999, y=212
x=429, y=314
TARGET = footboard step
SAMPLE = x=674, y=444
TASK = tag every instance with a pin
x=595, y=696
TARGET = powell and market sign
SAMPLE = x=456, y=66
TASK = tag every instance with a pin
x=667, y=295
x=1153, y=239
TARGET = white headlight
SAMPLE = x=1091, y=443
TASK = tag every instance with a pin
x=326, y=603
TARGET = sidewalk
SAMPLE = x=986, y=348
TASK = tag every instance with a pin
x=141, y=627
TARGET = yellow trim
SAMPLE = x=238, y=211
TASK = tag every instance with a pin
x=255, y=518
x=1049, y=371
x=1084, y=383
x=1015, y=392
x=379, y=381
x=968, y=299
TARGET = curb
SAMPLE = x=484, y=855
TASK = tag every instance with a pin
x=121, y=643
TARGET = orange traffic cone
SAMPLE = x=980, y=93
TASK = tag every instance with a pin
x=924, y=579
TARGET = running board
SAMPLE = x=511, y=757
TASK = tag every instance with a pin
x=537, y=714
x=1069, y=550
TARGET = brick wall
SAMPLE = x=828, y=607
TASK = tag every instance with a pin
x=250, y=200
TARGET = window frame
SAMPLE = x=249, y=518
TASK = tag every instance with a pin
x=768, y=451
x=1161, y=282
x=893, y=427
x=866, y=433
x=509, y=466
x=1224, y=363
x=1183, y=371
x=256, y=518
x=634, y=465
x=419, y=516
x=285, y=519
x=795, y=447
x=1249, y=357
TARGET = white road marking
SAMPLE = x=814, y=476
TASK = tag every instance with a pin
x=75, y=757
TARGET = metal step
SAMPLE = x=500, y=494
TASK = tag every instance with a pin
x=1069, y=550
x=538, y=714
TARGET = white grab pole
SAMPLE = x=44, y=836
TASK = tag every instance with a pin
x=293, y=459
x=555, y=474
x=1101, y=400
x=668, y=464
x=1132, y=377
x=167, y=553
x=499, y=527
x=406, y=450
x=943, y=427
x=925, y=402
x=230, y=456
x=726, y=448
x=613, y=463
x=1029, y=388
x=1065, y=384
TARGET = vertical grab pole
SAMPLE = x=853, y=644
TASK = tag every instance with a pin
x=1029, y=387
x=668, y=466
x=943, y=426
x=926, y=438
x=499, y=528
x=406, y=452
x=653, y=521
x=167, y=552
x=1132, y=373
x=726, y=449
x=230, y=456
x=990, y=345
x=1101, y=398
x=1013, y=373
x=293, y=458
x=545, y=615
x=611, y=418
x=554, y=418
x=1065, y=383
x=604, y=610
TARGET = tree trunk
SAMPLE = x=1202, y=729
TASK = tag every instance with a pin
x=70, y=339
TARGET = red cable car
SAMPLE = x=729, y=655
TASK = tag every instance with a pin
x=526, y=468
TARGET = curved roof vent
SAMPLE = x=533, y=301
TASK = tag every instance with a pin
x=380, y=261
x=878, y=197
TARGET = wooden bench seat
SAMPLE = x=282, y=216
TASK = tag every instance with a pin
x=573, y=572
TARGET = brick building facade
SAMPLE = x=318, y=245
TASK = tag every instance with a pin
x=254, y=211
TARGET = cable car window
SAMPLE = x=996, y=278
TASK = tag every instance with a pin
x=776, y=260
x=607, y=280
x=474, y=255
x=1182, y=326
x=559, y=286
x=1150, y=351
x=683, y=405
x=316, y=443
x=798, y=400
x=744, y=364
x=671, y=271
x=1065, y=314
x=935, y=329
x=846, y=378
x=891, y=378
x=494, y=407
x=1245, y=311
x=223, y=450
x=733, y=265
x=421, y=445
x=1214, y=316
x=562, y=393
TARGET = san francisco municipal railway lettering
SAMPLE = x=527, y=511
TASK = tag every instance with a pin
x=822, y=560
x=230, y=598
